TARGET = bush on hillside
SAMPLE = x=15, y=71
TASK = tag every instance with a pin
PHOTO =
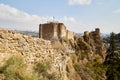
x=42, y=70
x=15, y=69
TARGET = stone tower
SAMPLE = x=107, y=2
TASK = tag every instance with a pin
x=54, y=30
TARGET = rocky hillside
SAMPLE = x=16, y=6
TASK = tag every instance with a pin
x=91, y=43
x=89, y=49
x=89, y=56
x=33, y=50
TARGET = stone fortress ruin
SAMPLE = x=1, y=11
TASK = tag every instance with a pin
x=54, y=30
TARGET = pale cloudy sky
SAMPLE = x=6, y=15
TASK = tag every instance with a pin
x=77, y=15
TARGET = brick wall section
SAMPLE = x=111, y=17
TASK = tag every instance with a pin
x=52, y=30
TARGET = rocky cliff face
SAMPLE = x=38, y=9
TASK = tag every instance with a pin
x=89, y=55
x=92, y=45
x=65, y=65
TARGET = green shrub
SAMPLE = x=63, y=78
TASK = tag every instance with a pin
x=15, y=69
x=11, y=67
x=42, y=70
x=52, y=77
x=98, y=68
x=77, y=68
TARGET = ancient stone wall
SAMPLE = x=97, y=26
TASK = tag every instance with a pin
x=94, y=40
x=47, y=31
x=55, y=31
x=70, y=35
x=97, y=31
x=62, y=30
x=52, y=30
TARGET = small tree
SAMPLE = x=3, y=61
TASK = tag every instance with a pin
x=112, y=60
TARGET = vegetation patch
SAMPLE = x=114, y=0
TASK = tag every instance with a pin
x=42, y=70
x=15, y=69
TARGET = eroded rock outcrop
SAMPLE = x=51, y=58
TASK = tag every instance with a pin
x=89, y=56
x=92, y=45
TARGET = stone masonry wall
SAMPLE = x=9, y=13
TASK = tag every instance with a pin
x=46, y=31
x=70, y=35
x=52, y=30
x=94, y=42
x=63, y=30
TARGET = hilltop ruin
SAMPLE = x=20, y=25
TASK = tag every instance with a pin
x=53, y=30
x=89, y=51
